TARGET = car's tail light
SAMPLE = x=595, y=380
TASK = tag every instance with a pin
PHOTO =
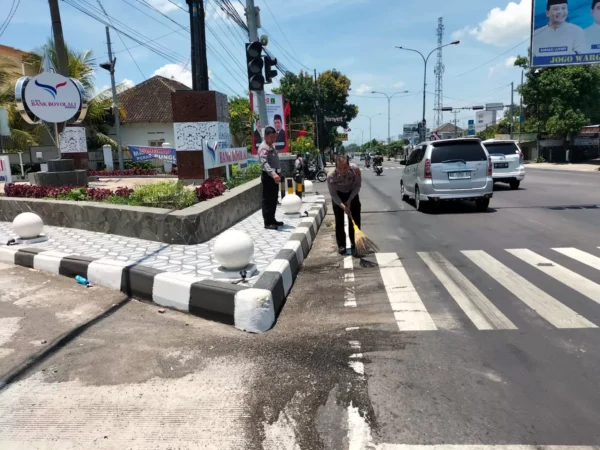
x=521, y=157
x=427, y=168
x=489, y=166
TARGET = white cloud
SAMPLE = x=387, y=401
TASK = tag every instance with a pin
x=510, y=61
x=127, y=83
x=502, y=26
x=175, y=72
x=165, y=6
x=217, y=14
x=399, y=85
x=364, y=89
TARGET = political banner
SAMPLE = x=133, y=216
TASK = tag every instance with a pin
x=277, y=119
x=148, y=153
x=565, y=33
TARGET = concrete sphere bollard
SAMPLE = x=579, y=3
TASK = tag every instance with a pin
x=234, y=249
x=308, y=187
x=28, y=225
x=291, y=204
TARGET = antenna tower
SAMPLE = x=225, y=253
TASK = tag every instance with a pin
x=439, y=77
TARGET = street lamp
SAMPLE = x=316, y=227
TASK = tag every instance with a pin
x=362, y=139
x=425, y=59
x=370, y=136
x=389, y=98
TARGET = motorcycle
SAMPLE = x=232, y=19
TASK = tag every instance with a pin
x=313, y=173
x=368, y=164
x=378, y=170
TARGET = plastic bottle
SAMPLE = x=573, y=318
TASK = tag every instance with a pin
x=82, y=280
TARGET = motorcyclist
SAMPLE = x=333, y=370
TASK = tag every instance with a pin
x=377, y=161
x=367, y=160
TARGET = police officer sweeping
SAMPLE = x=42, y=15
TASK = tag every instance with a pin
x=270, y=177
x=344, y=183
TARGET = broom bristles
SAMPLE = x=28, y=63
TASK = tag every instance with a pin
x=364, y=245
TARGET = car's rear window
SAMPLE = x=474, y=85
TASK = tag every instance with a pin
x=502, y=148
x=466, y=151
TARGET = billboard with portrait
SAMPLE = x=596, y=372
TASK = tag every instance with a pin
x=277, y=119
x=565, y=32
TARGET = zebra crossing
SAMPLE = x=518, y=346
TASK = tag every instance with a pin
x=560, y=311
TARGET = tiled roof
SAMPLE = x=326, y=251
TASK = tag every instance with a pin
x=6, y=48
x=150, y=101
x=449, y=128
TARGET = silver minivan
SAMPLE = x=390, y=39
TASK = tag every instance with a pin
x=452, y=169
x=507, y=162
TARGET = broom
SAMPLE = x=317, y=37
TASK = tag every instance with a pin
x=364, y=245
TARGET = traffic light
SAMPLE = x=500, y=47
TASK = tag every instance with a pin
x=270, y=73
x=256, y=81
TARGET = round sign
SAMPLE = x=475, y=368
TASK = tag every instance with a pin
x=52, y=97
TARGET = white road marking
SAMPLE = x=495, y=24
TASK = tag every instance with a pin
x=348, y=243
x=582, y=257
x=358, y=367
x=352, y=328
x=482, y=312
x=483, y=447
x=355, y=345
x=409, y=311
x=359, y=431
x=349, y=293
x=575, y=281
x=545, y=305
x=349, y=263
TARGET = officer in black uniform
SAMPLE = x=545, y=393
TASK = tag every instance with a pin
x=270, y=177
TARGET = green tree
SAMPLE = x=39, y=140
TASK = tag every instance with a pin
x=240, y=120
x=560, y=100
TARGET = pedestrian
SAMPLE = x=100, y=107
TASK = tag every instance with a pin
x=270, y=177
x=299, y=168
x=344, y=183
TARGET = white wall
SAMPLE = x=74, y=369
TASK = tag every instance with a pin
x=142, y=133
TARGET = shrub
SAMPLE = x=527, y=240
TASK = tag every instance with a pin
x=144, y=165
x=164, y=194
x=27, y=191
x=540, y=159
x=211, y=188
x=123, y=192
x=238, y=177
x=98, y=194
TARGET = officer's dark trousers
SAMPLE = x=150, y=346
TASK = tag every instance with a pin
x=338, y=211
x=269, y=199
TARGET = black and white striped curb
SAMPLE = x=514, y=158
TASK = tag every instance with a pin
x=250, y=309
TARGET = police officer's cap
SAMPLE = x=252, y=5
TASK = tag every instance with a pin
x=555, y=2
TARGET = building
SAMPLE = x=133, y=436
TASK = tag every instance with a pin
x=450, y=131
x=410, y=132
x=148, y=112
x=484, y=119
x=14, y=60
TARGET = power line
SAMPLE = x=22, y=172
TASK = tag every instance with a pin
x=11, y=14
x=278, y=26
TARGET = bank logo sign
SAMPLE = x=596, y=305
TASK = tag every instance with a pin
x=565, y=32
x=52, y=97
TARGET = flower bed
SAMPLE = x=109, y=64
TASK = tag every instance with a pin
x=122, y=173
x=163, y=194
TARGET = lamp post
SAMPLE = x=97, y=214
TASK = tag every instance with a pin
x=370, y=123
x=362, y=139
x=425, y=59
x=389, y=99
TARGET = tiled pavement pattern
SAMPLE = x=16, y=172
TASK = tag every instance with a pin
x=196, y=260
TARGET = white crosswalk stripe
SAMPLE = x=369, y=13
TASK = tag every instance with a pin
x=560, y=273
x=545, y=305
x=409, y=310
x=482, y=312
x=581, y=256
x=414, y=310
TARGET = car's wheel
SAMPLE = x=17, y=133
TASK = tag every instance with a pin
x=482, y=204
x=514, y=184
x=322, y=176
x=403, y=192
x=418, y=203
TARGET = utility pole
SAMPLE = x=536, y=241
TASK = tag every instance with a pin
x=317, y=111
x=193, y=44
x=439, y=76
x=115, y=105
x=200, y=36
x=512, y=108
x=521, y=107
x=253, y=35
x=59, y=40
x=456, y=113
x=370, y=135
x=389, y=99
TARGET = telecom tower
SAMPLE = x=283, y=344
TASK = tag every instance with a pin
x=439, y=77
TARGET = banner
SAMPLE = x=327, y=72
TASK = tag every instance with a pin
x=217, y=157
x=565, y=33
x=148, y=153
x=5, y=175
x=276, y=116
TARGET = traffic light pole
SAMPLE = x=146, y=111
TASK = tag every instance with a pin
x=253, y=35
x=115, y=105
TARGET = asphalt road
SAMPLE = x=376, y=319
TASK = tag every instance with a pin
x=418, y=345
x=481, y=328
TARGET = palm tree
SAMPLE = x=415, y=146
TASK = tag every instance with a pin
x=81, y=66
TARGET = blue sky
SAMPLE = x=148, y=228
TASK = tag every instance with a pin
x=357, y=37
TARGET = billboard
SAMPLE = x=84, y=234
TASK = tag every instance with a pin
x=565, y=32
x=276, y=115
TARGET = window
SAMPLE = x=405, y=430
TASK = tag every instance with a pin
x=416, y=156
x=502, y=148
x=156, y=143
x=464, y=150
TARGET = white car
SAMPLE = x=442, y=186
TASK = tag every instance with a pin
x=507, y=162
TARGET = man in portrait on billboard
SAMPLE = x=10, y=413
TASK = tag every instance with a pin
x=592, y=33
x=257, y=134
x=281, y=140
x=558, y=37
